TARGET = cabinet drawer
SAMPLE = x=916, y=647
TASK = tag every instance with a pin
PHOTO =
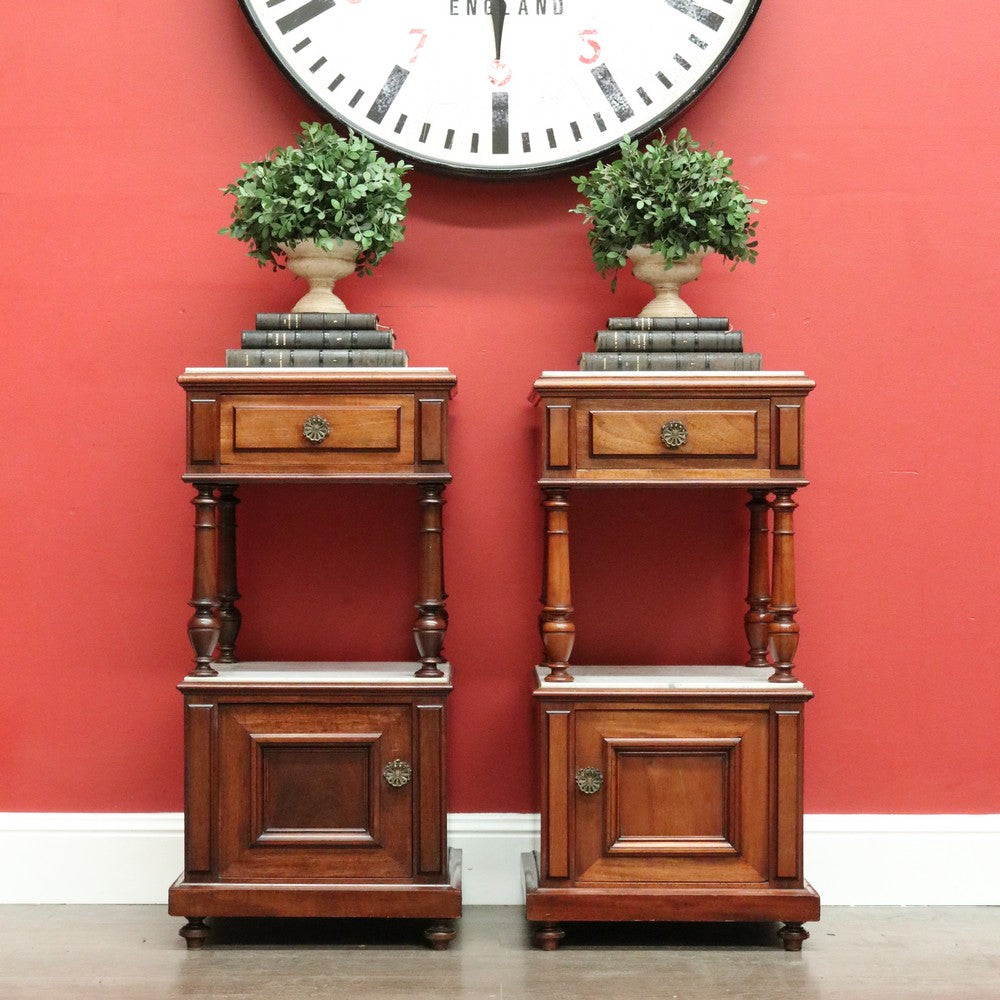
x=341, y=432
x=692, y=433
x=703, y=428
x=673, y=433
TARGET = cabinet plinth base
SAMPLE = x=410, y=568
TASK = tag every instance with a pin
x=550, y=906
x=439, y=903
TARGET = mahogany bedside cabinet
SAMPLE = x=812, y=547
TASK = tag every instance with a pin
x=673, y=792
x=314, y=789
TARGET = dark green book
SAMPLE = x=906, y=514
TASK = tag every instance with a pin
x=668, y=323
x=669, y=340
x=668, y=361
x=316, y=321
x=315, y=339
x=282, y=358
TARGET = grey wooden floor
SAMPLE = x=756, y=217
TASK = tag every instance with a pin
x=855, y=953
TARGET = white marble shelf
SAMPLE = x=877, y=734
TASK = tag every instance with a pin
x=322, y=672
x=639, y=376
x=666, y=678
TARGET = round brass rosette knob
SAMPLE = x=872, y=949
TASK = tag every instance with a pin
x=589, y=780
x=673, y=434
x=315, y=429
x=397, y=773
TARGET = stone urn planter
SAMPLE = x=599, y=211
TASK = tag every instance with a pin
x=322, y=269
x=665, y=281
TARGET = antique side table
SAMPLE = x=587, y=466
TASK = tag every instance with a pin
x=314, y=789
x=673, y=792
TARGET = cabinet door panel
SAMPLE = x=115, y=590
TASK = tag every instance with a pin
x=301, y=792
x=684, y=799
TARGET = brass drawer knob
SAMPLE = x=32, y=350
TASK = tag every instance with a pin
x=589, y=780
x=673, y=434
x=397, y=773
x=315, y=429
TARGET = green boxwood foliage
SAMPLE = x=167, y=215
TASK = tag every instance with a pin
x=326, y=188
x=672, y=196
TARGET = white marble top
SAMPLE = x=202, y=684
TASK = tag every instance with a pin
x=325, y=370
x=666, y=677
x=336, y=673
x=576, y=373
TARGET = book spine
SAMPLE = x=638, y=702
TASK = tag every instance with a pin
x=669, y=340
x=635, y=361
x=282, y=358
x=316, y=339
x=668, y=323
x=316, y=321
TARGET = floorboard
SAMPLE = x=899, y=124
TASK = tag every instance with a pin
x=855, y=953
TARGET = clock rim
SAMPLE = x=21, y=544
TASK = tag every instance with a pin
x=488, y=172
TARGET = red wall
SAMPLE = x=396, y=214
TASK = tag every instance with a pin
x=873, y=134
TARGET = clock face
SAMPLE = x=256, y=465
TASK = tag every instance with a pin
x=493, y=87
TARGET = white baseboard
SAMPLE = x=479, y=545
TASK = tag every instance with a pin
x=89, y=857
x=860, y=860
x=851, y=860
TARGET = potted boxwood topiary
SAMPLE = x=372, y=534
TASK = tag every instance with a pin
x=665, y=207
x=328, y=206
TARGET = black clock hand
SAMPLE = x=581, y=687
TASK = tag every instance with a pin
x=498, y=11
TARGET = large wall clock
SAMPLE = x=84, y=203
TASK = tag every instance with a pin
x=500, y=87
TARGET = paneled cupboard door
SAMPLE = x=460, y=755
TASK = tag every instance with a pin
x=302, y=795
x=684, y=796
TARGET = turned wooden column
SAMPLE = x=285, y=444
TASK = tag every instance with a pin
x=229, y=615
x=556, y=619
x=432, y=616
x=203, y=626
x=757, y=620
x=783, y=631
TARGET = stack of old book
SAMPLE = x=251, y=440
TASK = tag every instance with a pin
x=317, y=340
x=676, y=343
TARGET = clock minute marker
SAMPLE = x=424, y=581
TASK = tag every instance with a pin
x=609, y=87
x=388, y=93
x=303, y=14
x=501, y=122
x=701, y=14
